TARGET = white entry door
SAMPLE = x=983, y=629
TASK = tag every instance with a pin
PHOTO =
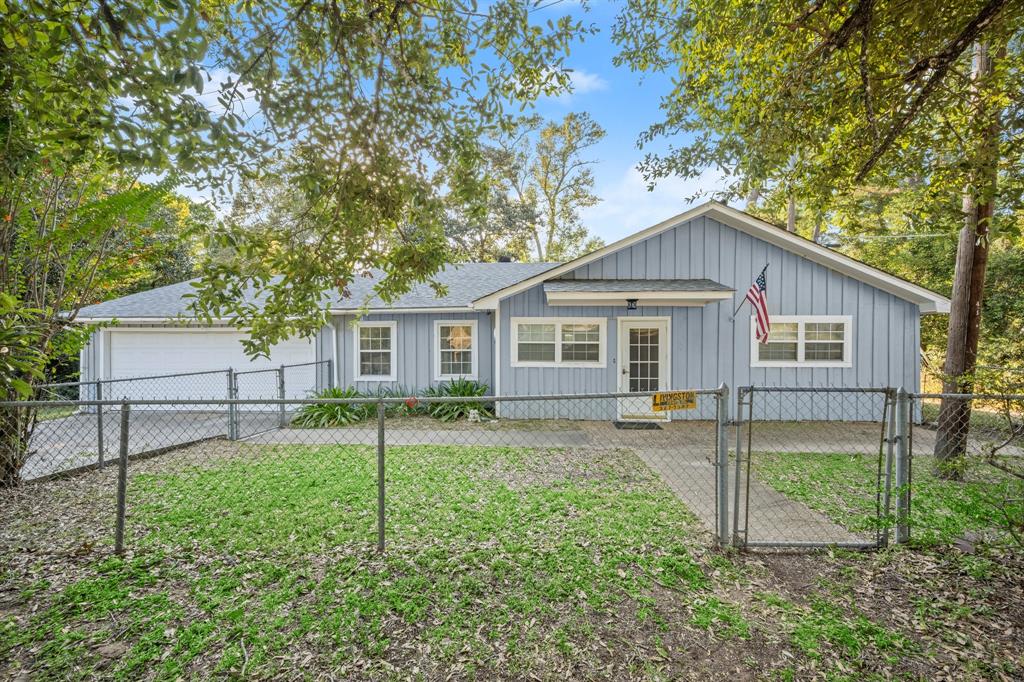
x=643, y=366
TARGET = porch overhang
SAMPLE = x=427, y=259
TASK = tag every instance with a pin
x=635, y=292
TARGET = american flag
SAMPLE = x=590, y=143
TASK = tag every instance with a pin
x=758, y=297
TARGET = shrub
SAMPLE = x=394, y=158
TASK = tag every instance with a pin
x=458, y=388
x=406, y=408
x=333, y=414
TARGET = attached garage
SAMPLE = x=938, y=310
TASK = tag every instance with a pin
x=127, y=353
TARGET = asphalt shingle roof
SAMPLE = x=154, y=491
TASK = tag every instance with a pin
x=466, y=282
x=613, y=285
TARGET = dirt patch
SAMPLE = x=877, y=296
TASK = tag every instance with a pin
x=555, y=466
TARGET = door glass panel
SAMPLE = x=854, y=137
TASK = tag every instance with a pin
x=643, y=359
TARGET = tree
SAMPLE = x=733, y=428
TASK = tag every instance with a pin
x=543, y=165
x=830, y=98
x=499, y=228
x=366, y=101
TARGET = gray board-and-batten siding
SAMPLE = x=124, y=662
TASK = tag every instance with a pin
x=709, y=346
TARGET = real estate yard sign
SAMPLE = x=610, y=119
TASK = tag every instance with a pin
x=674, y=400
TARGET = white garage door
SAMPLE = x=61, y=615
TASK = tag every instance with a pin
x=134, y=354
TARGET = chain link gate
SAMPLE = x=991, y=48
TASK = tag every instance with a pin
x=813, y=467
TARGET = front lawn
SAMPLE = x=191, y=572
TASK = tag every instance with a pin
x=253, y=561
x=842, y=486
x=498, y=562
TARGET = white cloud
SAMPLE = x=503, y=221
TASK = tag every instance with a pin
x=585, y=81
x=627, y=206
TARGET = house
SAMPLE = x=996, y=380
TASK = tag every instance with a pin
x=652, y=311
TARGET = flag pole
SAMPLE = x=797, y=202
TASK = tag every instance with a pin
x=763, y=270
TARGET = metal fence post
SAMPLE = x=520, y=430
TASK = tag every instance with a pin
x=380, y=476
x=232, y=408
x=739, y=468
x=890, y=454
x=99, y=423
x=330, y=373
x=722, y=470
x=122, y=481
x=283, y=415
x=903, y=455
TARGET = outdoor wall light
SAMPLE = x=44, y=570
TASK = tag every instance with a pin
x=631, y=304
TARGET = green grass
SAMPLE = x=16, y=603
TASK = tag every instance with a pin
x=243, y=563
x=47, y=413
x=842, y=486
x=985, y=421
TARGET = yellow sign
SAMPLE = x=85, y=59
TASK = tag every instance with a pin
x=674, y=400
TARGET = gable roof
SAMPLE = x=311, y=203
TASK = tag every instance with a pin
x=927, y=300
x=464, y=281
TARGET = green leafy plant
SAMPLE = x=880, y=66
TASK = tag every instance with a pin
x=409, y=406
x=322, y=415
x=458, y=388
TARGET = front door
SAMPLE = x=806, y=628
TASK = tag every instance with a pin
x=643, y=366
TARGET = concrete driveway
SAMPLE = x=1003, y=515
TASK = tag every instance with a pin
x=69, y=443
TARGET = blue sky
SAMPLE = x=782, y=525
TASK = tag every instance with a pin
x=625, y=104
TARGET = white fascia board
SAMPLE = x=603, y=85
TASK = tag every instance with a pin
x=643, y=298
x=928, y=301
x=396, y=311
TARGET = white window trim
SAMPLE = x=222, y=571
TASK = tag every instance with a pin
x=473, y=349
x=847, y=361
x=394, y=355
x=602, y=327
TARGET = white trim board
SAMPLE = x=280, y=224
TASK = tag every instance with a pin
x=474, y=350
x=846, y=362
x=643, y=298
x=928, y=301
x=392, y=352
x=602, y=326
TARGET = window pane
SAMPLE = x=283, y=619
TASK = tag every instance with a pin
x=375, y=338
x=580, y=333
x=581, y=352
x=375, y=363
x=823, y=351
x=783, y=331
x=536, y=333
x=581, y=343
x=456, y=337
x=537, y=352
x=776, y=351
x=824, y=331
x=456, y=363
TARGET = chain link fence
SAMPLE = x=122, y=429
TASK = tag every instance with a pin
x=79, y=432
x=794, y=467
x=965, y=471
x=814, y=467
x=341, y=471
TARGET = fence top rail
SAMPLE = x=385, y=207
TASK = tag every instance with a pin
x=817, y=389
x=971, y=396
x=280, y=367
x=389, y=400
x=93, y=382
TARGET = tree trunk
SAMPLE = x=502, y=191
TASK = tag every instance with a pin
x=968, y=287
x=791, y=214
x=818, y=224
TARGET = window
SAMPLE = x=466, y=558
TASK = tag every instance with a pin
x=541, y=342
x=804, y=341
x=455, y=354
x=581, y=342
x=375, y=351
